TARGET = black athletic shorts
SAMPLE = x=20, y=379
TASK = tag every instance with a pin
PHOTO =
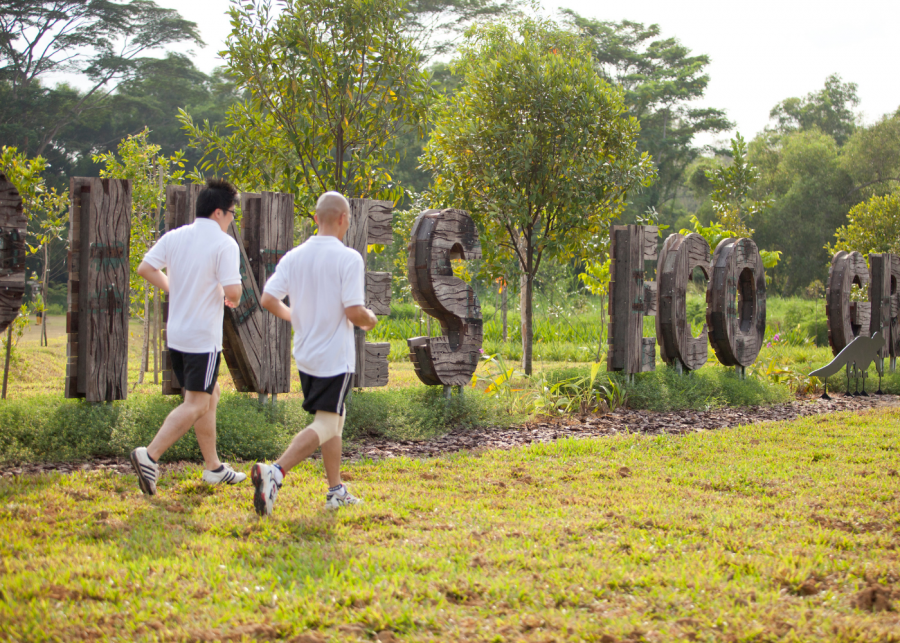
x=325, y=393
x=196, y=371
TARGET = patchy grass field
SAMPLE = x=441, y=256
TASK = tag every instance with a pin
x=780, y=532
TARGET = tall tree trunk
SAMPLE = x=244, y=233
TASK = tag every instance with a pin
x=145, y=348
x=6, y=365
x=503, y=308
x=157, y=332
x=44, y=286
x=526, y=298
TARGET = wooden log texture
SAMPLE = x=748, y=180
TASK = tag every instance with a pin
x=846, y=269
x=370, y=224
x=267, y=227
x=736, y=302
x=881, y=298
x=99, y=281
x=437, y=238
x=631, y=298
x=13, y=224
x=679, y=257
x=894, y=337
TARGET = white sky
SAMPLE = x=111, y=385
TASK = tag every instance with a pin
x=762, y=51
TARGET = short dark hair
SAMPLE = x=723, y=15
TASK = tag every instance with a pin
x=218, y=194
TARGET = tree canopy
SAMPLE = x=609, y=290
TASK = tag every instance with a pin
x=536, y=145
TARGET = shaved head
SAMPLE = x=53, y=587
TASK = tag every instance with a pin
x=330, y=207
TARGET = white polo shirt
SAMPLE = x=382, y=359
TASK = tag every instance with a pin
x=322, y=277
x=199, y=260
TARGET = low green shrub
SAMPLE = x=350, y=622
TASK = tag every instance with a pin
x=48, y=428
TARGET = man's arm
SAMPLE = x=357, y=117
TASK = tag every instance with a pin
x=275, y=306
x=155, y=276
x=233, y=295
x=361, y=316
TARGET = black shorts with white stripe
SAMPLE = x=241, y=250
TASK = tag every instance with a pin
x=325, y=393
x=196, y=371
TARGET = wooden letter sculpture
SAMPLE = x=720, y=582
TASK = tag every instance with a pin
x=846, y=319
x=243, y=327
x=267, y=227
x=438, y=237
x=12, y=252
x=736, y=302
x=370, y=224
x=885, y=301
x=679, y=256
x=631, y=298
x=97, y=319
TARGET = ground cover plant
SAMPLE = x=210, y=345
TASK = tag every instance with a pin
x=776, y=532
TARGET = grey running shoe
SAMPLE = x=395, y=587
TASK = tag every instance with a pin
x=147, y=471
x=340, y=498
x=266, y=488
x=224, y=474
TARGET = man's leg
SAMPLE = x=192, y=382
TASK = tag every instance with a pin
x=331, y=455
x=179, y=421
x=305, y=443
x=205, y=428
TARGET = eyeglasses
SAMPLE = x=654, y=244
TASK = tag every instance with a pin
x=231, y=212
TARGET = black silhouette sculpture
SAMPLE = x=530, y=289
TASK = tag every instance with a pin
x=858, y=354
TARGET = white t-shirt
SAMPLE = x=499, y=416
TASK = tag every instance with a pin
x=199, y=260
x=322, y=277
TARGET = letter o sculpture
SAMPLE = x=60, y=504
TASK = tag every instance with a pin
x=677, y=260
x=736, y=302
x=846, y=319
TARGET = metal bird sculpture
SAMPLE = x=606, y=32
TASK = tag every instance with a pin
x=860, y=353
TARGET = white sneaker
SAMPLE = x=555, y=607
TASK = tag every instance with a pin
x=340, y=498
x=224, y=474
x=147, y=471
x=264, y=478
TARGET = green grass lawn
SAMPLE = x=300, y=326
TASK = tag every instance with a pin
x=777, y=532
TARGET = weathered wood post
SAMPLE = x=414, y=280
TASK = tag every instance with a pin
x=679, y=257
x=370, y=224
x=736, y=303
x=884, y=271
x=846, y=319
x=267, y=227
x=437, y=238
x=99, y=280
x=13, y=224
x=631, y=297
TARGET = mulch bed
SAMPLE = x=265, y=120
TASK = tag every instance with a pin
x=618, y=423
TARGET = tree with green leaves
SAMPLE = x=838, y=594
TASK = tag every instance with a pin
x=872, y=226
x=437, y=26
x=330, y=84
x=731, y=191
x=102, y=42
x=149, y=172
x=662, y=80
x=829, y=110
x=872, y=157
x=810, y=193
x=536, y=145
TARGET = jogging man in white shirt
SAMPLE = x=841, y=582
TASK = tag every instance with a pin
x=202, y=273
x=326, y=283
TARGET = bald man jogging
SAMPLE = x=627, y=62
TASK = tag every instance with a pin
x=325, y=281
x=202, y=265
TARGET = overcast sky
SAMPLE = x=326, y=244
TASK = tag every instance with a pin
x=762, y=51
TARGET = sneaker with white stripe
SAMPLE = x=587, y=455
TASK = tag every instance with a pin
x=147, y=471
x=340, y=498
x=226, y=474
